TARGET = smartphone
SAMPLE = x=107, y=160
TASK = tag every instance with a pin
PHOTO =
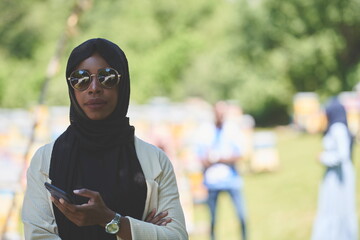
x=58, y=193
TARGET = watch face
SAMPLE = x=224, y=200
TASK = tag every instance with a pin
x=112, y=228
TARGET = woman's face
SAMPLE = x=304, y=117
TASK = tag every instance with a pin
x=96, y=102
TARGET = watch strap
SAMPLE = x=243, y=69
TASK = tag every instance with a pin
x=116, y=218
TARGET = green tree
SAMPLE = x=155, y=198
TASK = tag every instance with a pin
x=303, y=45
x=258, y=53
x=29, y=31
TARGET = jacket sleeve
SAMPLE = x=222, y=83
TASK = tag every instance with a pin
x=37, y=215
x=340, y=150
x=167, y=200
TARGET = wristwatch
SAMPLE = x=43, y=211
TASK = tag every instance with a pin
x=114, y=225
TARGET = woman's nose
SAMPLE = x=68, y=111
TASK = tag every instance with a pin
x=95, y=86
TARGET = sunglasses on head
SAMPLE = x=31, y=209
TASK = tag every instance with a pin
x=80, y=79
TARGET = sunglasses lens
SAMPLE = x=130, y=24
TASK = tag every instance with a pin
x=108, y=77
x=80, y=80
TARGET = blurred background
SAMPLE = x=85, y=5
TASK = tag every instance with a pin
x=275, y=63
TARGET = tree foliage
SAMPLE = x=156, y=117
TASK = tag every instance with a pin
x=258, y=53
x=309, y=45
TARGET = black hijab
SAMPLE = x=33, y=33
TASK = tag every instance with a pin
x=99, y=154
x=336, y=113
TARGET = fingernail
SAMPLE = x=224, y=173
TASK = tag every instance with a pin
x=76, y=191
x=61, y=201
x=163, y=224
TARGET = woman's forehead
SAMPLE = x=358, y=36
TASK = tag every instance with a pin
x=95, y=61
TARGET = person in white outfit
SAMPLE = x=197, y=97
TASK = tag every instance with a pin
x=336, y=217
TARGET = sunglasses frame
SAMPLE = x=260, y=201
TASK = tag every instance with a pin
x=118, y=76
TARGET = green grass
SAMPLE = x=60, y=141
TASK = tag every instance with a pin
x=281, y=205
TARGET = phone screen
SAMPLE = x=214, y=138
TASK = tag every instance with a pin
x=58, y=193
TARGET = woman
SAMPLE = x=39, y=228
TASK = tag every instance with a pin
x=117, y=181
x=336, y=217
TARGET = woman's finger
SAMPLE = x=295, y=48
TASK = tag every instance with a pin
x=163, y=221
x=86, y=193
x=161, y=215
x=158, y=218
x=151, y=215
x=59, y=205
x=166, y=221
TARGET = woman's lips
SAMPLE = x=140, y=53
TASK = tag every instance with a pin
x=95, y=103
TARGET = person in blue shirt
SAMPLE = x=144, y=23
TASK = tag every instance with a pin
x=219, y=151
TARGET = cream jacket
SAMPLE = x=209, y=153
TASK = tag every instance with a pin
x=162, y=194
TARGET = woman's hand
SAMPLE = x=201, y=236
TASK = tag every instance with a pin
x=160, y=219
x=94, y=212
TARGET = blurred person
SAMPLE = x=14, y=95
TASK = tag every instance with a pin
x=219, y=152
x=246, y=125
x=121, y=186
x=336, y=214
x=356, y=89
